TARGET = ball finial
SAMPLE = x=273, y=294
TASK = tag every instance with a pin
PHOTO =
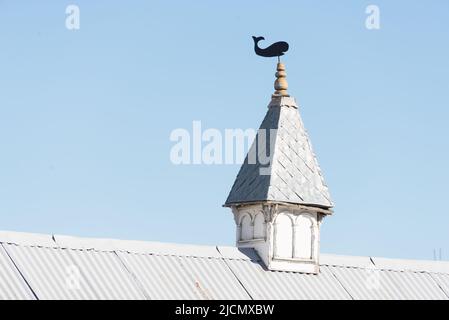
x=281, y=85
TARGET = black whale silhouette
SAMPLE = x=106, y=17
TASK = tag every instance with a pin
x=277, y=49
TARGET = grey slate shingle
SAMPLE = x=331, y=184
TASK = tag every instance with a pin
x=294, y=176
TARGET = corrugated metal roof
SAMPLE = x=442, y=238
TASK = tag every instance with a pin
x=12, y=285
x=159, y=248
x=443, y=281
x=294, y=175
x=106, y=274
x=184, y=277
x=412, y=285
x=412, y=265
x=346, y=261
x=374, y=284
x=262, y=284
x=61, y=267
x=48, y=272
x=162, y=277
x=55, y=273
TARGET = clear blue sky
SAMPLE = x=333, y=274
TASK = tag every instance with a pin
x=85, y=116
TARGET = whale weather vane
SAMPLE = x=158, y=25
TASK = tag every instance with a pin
x=277, y=49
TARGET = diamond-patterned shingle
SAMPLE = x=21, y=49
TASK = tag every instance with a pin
x=294, y=175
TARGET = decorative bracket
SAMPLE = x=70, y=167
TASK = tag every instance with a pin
x=270, y=211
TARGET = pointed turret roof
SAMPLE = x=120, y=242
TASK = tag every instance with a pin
x=294, y=175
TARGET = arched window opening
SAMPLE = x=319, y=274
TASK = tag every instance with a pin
x=303, y=238
x=283, y=237
x=246, y=228
x=259, y=226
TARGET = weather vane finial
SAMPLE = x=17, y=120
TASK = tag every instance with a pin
x=277, y=49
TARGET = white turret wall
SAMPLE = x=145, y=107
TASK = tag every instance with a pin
x=286, y=237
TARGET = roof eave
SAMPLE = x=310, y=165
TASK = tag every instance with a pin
x=327, y=210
